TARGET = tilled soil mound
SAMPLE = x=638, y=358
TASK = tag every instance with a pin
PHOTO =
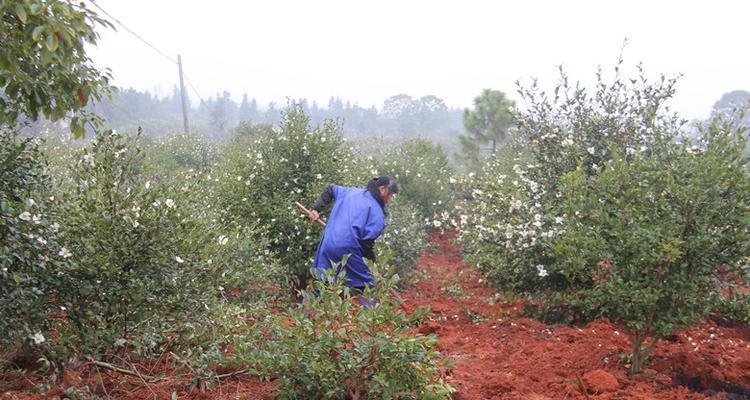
x=498, y=356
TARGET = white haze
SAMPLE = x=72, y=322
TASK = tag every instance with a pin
x=366, y=51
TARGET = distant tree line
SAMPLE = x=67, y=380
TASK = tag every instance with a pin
x=216, y=117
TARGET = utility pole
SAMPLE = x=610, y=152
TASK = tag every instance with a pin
x=183, y=94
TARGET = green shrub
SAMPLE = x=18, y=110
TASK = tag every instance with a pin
x=262, y=176
x=170, y=156
x=28, y=245
x=423, y=173
x=331, y=348
x=610, y=213
x=652, y=234
x=404, y=238
x=735, y=308
x=246, y=130
x=136, y=252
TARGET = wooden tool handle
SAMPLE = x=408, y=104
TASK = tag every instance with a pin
x=306, y=211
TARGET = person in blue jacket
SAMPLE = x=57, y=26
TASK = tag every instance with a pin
x=356, y=220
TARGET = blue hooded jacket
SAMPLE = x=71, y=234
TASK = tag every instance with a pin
x=356, y=217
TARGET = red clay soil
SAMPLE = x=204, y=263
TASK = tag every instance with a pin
x=106, y=384
x=498, y=356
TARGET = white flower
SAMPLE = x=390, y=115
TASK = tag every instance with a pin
x=41, y=240
x=37, y=338
x=542, y=272
x=452, y=180
x=559, y=220
x=179, y=260
x=65, y=253
x=55, y=226
x=26, y=216
x=436, y=223
x=591, y=150
x=319, y=176
x=148, y=185
x=30, y=202
x=223, y=240
x=89, y=158
x=169, y=203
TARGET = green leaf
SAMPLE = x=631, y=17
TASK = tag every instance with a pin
x=38, y=32
x=21, y=12
x=36, y=8
x=52, y=42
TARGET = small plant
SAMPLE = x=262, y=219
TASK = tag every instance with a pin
x=455, y=290
x=333, y=348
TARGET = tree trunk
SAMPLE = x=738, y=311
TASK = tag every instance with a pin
x=636, y=362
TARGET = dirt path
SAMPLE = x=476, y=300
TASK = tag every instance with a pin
x=498, y=356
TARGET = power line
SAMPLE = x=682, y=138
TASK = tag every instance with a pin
x=193, y=87
x=133, y=33
x=145, y=42
x=139, y=37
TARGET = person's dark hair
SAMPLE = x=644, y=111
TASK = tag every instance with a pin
x=387, y=181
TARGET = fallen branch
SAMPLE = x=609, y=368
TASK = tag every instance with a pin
x=231, y=374
x=125, y=371
x=583, y=386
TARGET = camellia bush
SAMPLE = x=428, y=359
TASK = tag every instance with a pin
x=28, y=246
x=665, y=230
x=404, y=238
x=264, y=172
x=422, y=170
x=262, y=176
x=611, y=212
x=174, y=155
x=135, y=253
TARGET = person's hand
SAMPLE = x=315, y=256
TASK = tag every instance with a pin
x=314, y=216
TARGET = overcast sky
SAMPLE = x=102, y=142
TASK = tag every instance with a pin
x=366, y=51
